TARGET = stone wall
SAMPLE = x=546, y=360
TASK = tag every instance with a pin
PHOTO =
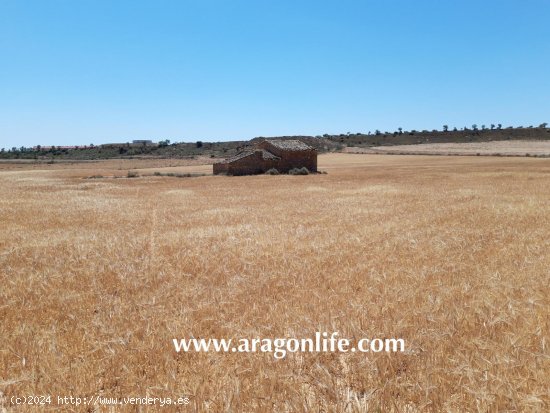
x=250, y=165
x=221, y=168
x=292, y=159
x=299, y=159
x=256, y=164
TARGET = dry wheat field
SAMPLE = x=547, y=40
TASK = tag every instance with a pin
x=452, y=254
x=501, y=148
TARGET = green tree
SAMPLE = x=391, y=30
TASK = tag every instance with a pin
x=445, y=128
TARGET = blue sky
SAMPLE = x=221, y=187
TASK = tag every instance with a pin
x=80, y=72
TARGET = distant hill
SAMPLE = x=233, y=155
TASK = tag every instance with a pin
x=325, y=143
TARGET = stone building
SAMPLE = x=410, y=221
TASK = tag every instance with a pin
x=280, y=154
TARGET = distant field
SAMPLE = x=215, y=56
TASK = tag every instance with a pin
x=107, y=168
x=504, y=148
x=451, y=254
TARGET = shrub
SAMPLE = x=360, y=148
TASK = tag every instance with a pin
x=132, y=174
x=178, y=174
x=272, y=171
x=299, y=171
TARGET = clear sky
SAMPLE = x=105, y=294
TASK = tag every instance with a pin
x=80, y=72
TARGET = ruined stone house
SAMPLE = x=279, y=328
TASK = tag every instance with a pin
x=280, y=154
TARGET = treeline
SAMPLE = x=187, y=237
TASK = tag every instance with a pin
x=445, y=135
x=324, y=143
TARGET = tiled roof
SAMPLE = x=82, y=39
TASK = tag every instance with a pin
x=289, y=144
x=244, y=154
x=268, y=155
x=238, y=156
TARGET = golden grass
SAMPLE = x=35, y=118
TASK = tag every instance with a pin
x=451, y=254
